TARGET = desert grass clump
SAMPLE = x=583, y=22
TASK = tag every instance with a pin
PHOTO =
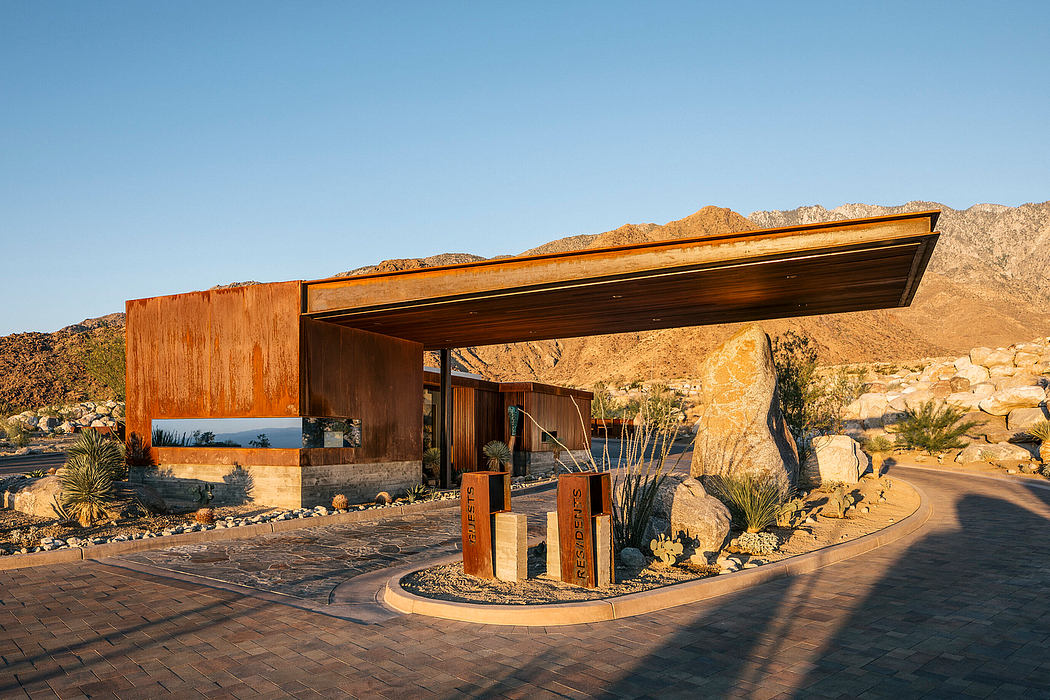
x=340, y=502
x=138, y=453
x=1041, y=432
x=933, y=429
x=205, y=516
x=754, y=502
x=498, y=454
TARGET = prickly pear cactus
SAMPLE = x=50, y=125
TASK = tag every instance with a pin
x=666, y=550
x=791, y=513
x=839, y=502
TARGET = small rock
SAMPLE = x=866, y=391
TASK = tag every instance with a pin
x=632, y=557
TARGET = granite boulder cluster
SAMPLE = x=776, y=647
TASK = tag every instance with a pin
x=1004, y=390
x=70, y=418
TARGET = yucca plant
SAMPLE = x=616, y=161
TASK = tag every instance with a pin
x=753, y=501
x=104, y=451
x=933, y=429
x=87, y=489
x=94, y=462
x=1041, y=432
x=498, y=454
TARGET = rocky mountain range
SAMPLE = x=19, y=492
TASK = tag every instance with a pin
x=988, y=284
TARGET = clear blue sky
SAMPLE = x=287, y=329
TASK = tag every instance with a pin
x=148, y=148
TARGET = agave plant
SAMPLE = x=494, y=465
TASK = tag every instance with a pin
x=498, y=454
x=1041, y=432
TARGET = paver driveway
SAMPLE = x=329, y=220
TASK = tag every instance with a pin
x=961, y=609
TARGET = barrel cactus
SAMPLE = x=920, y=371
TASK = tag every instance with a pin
x=340, y=502
x=205, y=516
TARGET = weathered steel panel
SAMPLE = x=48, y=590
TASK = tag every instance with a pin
x=214, y=354
x=356, y=374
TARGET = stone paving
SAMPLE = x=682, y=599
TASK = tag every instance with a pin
x=309, y=563
x=958, y=610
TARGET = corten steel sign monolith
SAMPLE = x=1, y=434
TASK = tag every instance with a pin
x=584, y=532
x=482, y=495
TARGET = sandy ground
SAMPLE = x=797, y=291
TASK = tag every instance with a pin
x=449, y=582
x=1012, y=468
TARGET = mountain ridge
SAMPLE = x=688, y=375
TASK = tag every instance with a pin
x=987, y=284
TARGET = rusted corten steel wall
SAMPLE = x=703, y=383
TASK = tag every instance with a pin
x=357, y=374
x=220, y=353
x=245, y=352
x=566, y=411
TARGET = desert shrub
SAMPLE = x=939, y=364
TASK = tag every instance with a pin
x=754, y=502
x=93, y=446
x=498, y=454
x=340, y=502
x=880, y=444
x=103, y=357
x=16, y=433
x=137, y=453
x=35, y=474
x=760, y=543
x=603, y=405
x=205, y=516
x=87, y=489
x=932, y=428
x=812, y=404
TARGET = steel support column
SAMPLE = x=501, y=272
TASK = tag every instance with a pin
x=445, y=415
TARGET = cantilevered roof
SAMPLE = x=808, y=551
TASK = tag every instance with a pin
x=853, y=265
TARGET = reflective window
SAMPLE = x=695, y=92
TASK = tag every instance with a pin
x=281, y=433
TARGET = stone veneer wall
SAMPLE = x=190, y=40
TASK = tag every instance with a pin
x=358, y=482
x=280, y=486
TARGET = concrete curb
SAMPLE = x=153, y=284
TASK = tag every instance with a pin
x=648, y=601
x=112, y=549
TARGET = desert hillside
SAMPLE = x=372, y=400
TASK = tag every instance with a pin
x=987, y=284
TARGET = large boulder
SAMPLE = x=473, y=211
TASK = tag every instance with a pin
x=683, y=506
x=1022, y=418
x=1002, y=402
x=999, y=452
x=975, y=374
x=34, y=496
x=835, y=458
x=38, y=496
x=741, y=427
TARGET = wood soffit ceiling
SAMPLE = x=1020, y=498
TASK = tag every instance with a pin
x=852, y=265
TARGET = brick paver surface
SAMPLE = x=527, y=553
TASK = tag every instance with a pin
x=309, y=563
x=960, y=610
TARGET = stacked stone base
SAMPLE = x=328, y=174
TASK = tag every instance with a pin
x=280, y=486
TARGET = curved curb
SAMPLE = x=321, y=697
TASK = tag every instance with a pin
x=556, y=614
x=112, y=549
